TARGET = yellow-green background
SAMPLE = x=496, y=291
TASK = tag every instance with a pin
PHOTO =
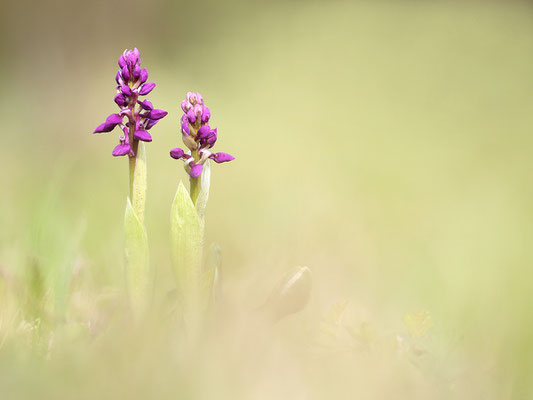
x=384, y=144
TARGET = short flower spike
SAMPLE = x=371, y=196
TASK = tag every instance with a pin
x=198, y=136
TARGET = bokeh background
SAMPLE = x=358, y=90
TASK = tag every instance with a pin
x=386, y=145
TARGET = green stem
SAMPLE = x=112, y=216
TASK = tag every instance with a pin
x=132, y=161
x=134, y=147
x=137, y=264
x=195, y=183
x=139, y=180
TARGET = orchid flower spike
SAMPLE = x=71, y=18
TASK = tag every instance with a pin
x=197, y=136
x=140, y=115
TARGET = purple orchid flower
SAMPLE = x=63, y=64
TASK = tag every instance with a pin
x=198, y=136
x=140, y=115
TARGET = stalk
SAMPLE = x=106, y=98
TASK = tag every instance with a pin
x=132, y=161
x=136, y=251
x=195, y=183
x=136, y=243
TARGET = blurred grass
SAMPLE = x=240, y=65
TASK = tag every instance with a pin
x=386, y=145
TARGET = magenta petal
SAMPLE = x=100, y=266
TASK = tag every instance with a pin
x=157, y=114
x=126, y=90
x=196, y=170
x=136, y=72
x=191, y=116
x=206, y=114
x=100, y=128
x=185, y=106
x=146, y=105
x=109, y=124
x=143, y=135
x=176, y=153
x=114, y=119
x=211, y=138
x=185, y=129
x=120, y=99
x=197, y=109
x=132, y=56
x=146, y=88
x=185, y=125
x=203, y=132
x=137, y=55
x=222, y=157
x=150, y=123
x=121, y=150
x=121, y=61
x=125, y=73
x=144, y=75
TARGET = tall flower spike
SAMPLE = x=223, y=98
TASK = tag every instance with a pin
x=135, y=119
x=140, y=115
x=199, y=138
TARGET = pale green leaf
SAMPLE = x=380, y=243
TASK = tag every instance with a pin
x=187, y=243
x=137, y=263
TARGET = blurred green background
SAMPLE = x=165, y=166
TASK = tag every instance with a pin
x=384, y=144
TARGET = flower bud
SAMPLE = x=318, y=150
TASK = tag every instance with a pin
x=196, y=170
x=144, y=75
x=146, y=88
x=121, y=61
x=150, y=123
x=176, y=153
x=206, y=114
x=221, y=157
x=191, y=116
x=157, y=114
x=126, y=90
x=120, y=99
x=203, y=132
x=185, y=106
x=146, y=105
x=125, y=74
x=136, y=72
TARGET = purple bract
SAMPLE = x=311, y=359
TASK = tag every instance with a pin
x=198, y=136
x=140, y=115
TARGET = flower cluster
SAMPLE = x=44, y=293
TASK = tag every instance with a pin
x=141, y=115
x=198, y=136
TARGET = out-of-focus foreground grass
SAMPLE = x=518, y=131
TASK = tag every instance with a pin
x=386, y=145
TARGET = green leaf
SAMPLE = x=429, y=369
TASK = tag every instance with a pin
x=186, y=233
x=137, y=263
